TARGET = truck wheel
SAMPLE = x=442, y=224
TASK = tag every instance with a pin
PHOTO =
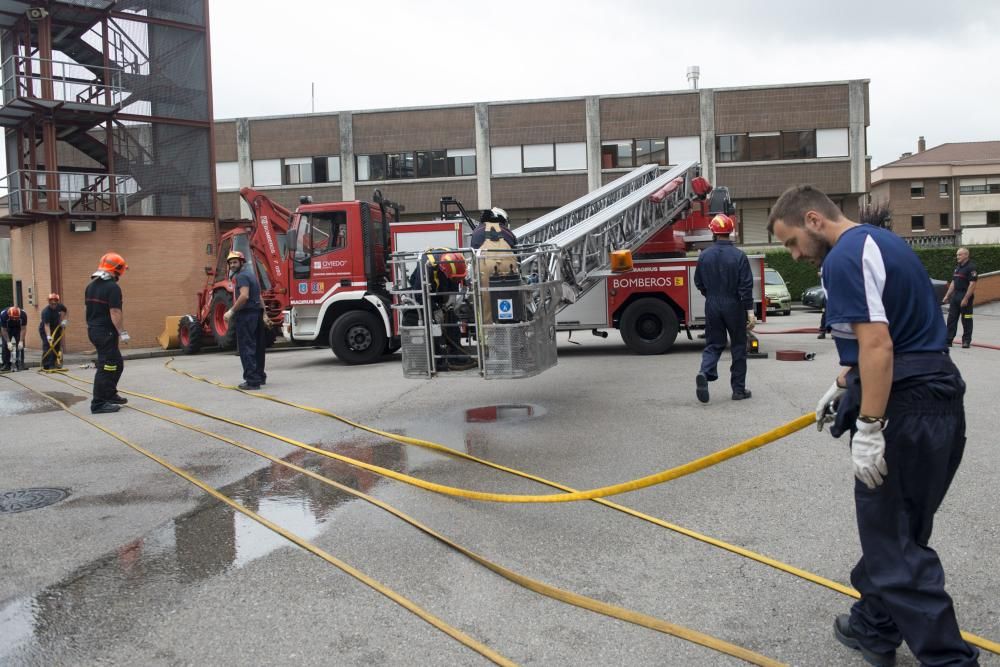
x=189, y=334
x=225, y=335
x=358, y=337
x=649, y=326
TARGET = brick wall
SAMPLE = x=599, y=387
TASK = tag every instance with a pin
x=650, y=116
x=770, y=180
x=158, y=282
x=773, y=109
x=988, y=288
x=225, y=141
x=424, y=199
x=538, y=123
x=538, y=191
x=420, y=129
x=301, y=136
x=931, y=206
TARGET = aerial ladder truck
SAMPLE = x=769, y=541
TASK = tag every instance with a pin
x=566, y=280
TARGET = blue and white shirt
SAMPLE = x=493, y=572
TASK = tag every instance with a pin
x=871, y=275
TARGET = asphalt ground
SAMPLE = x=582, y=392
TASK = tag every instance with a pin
x=138, y=566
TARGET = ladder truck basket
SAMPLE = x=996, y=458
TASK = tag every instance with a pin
x=465, y=312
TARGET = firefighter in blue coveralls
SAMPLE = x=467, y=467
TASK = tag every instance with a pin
x=724, y=277
x=248, y=312
x=902, y=399
x=13, y=322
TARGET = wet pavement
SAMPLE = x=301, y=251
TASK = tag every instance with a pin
x=137, y=566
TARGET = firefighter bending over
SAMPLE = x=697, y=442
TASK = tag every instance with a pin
x=445, y=270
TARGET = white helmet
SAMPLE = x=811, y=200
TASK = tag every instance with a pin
x=500, y=214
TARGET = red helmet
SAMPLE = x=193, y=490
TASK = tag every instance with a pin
x=236, y=254
x=53, y=297
x=452, y=265
x=113, y=263
x=722, y=224
x=14, y=313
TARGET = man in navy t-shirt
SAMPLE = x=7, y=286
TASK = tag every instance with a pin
x=247, y=314
x=901, y=398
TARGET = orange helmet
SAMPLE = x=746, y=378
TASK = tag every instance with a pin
x=14, y=313
x=452, y=265
x=53, y=297
x=236, y=254
x=113, y=263
x=722, y=224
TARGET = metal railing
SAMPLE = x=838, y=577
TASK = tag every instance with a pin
x=69, y=81
x=935, y=241
x=75, y=193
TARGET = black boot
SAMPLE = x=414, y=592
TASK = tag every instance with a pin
x=842, y=631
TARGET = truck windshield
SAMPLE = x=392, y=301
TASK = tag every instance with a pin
x=317, y=233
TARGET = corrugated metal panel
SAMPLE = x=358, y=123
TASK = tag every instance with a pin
x=754, y=223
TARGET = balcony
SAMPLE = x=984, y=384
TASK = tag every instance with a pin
x=70, y=91
x=72, y=194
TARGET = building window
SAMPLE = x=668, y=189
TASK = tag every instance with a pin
x=993, y=218
x=916, y=189
x=917, y=223
x=683, y=149
x=399, y=165
x=461, y=162
x=650, y=151
x=266, y=172
x=506, y=159
x=432, y=164
x=945, y=222
x=538, y=157
x=764, y=146
x=943, y=189
x=227, y=175
x=616, y=154
x=732, y=148
x=571, y=157
x=979, y=186
x=298, y=170
x=326, y=169
x=371, y=167
x=798, y=145
x=832, y=143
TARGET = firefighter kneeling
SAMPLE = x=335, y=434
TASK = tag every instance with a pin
x=445, y=270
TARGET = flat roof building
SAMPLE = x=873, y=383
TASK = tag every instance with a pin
x=945, y=195
x=532, y=156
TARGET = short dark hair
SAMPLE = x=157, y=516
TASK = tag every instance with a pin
x=796, y=201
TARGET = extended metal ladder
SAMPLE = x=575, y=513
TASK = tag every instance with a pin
x=619, y=216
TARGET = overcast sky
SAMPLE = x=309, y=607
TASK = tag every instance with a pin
x=932, y=65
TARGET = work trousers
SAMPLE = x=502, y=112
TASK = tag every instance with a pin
x=5, y=356
x=956, y=311
x=50, y=351
x=251, y=343
x=725, y=317
x=110, y=365
x=899, y=576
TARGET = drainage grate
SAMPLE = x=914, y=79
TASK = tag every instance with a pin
x=22, y=500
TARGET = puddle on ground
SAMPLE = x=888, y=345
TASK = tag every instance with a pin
x=24, y=402
x=203, y=543
x=505, y=412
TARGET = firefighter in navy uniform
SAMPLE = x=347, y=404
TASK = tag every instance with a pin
x=960, y=297
x=52, y=330
x=901, y=398
x=248, y=312
x=446, y=270
x=105, y=328
x=13, y=322
x=724, y=277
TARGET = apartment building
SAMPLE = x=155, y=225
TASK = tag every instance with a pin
x=945, y=195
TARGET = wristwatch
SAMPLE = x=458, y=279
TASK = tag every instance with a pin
x=881, y=421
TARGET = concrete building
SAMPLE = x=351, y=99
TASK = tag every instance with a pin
x=107, y=112
x=532, y=156
x=946, y=195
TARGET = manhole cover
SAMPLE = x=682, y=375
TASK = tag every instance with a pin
x=22, y=500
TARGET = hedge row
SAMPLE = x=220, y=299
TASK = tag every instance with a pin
x=940, y=263
x=6, y=290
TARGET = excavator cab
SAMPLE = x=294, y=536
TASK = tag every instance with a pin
x=720, y=202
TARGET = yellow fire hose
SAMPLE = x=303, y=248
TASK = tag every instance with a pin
x=453, y=632
x=989, y=645
x=561, y=595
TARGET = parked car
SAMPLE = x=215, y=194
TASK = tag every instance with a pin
x=815, y=297
x=776, y=291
